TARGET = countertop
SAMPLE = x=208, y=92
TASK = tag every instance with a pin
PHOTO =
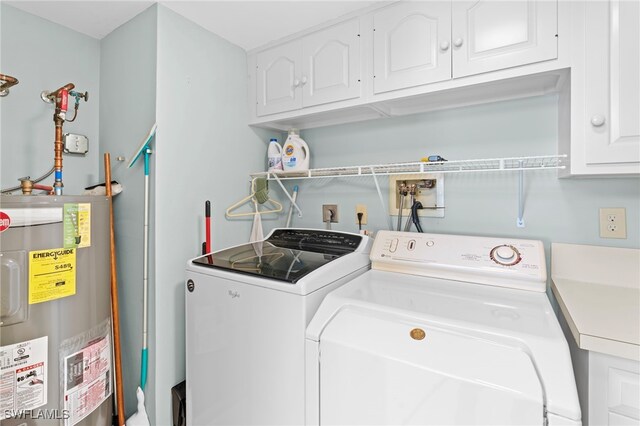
x=598, y=291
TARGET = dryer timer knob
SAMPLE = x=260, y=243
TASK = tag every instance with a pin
x=505, y=255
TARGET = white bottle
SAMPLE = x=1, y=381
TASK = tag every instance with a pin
x=295, y=153
x=274, y=156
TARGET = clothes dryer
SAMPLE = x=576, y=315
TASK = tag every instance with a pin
x=247, y=308
x=443, y=330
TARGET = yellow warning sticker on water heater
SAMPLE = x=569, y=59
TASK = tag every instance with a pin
x=52, y=274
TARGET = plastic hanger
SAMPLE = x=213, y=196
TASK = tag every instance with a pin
x=246, y=264
x=252, y=197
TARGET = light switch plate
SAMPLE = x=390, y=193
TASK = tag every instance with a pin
x=76, y=144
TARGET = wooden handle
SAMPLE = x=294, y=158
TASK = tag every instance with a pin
x=114, y=297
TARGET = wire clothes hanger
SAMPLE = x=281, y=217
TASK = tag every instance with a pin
x=259, y=195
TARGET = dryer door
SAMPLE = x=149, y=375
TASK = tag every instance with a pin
x=377, y=368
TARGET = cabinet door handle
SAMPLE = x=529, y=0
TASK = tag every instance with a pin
x=304, y=80
x=458, y=42
x=296, y=83
x=597, y=120
x=444, y=46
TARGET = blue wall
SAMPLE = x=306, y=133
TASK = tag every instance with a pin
x=193, y=84
x=127, y=112
x=204, y=151
x=556, y=210
x=44, y=56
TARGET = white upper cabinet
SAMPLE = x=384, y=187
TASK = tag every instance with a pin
x=603, y=103
x=320, y=68
x=279, y=71
x=612, y=82
x=423, y=42
x=405, y=57
x=411, y=45
x=331, y=64
x=490, y=35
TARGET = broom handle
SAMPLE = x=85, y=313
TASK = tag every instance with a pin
x=114, y=297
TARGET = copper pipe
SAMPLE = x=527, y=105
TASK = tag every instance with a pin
x=53, y=95
x=115, y=313
x=8, y=82
x=46, y=188
x=58, y=119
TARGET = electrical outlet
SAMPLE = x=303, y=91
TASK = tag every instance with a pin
x=361, y=208
x=330, y=213
x=613, y=223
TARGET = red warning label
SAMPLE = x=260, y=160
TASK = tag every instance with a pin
x=5, y=221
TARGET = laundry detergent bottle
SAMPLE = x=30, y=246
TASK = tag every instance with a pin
x=295, y=154
x=274, y=156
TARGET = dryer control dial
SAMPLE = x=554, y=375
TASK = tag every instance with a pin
x=506, y=255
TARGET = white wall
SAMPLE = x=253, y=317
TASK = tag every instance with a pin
x=204, y=151
x=127, y=112
x=45, y=56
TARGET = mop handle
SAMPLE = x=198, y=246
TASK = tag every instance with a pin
x=207, y=224
x=115, y=312
x=145, y=274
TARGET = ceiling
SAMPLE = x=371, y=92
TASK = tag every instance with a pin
x=247, y=24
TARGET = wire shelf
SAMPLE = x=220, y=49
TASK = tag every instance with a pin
x=518, y=164
x=455, y=166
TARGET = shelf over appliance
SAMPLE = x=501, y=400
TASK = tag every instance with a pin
x=519, y=164
x=455, y=166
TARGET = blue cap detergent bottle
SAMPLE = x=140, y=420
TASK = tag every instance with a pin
x=274, y=156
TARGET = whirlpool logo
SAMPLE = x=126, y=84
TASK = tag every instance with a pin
x=234, y=294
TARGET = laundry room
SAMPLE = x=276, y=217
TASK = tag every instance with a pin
x=423, y=190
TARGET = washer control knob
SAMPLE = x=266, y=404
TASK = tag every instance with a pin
x=505, y=255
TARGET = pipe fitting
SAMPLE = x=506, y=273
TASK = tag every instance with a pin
x=26, y=185
x=7, y=82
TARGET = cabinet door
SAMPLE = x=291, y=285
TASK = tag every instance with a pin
x=331, y=64
x=491, y=35
x=411, y=45
x=614, y=391
x=612, y=82
x=278, y=72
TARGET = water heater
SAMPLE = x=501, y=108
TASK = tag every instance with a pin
x=55, y=333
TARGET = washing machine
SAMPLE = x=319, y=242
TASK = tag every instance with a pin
x=247, y=308
x=443, y=330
